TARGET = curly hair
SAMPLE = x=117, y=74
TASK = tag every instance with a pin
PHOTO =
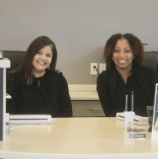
x=135, y=45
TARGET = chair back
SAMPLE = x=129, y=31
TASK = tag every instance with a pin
x=15, y=57
x=151, y=60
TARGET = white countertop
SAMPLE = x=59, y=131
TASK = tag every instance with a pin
x=84, y=138
x=83, y=92
x=84, y=96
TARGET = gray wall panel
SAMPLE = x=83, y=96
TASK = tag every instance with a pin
x=79, y=28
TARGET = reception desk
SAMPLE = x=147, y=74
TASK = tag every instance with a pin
x=77, y=138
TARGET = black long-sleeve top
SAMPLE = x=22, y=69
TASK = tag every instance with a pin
x=47, y=95
x=112, y=90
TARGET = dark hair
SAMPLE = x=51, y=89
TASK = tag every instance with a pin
x=32, y=50
x=135, y=45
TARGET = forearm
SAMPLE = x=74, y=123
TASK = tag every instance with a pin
x=107, y=105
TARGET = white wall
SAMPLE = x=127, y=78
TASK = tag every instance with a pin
x=79, y=28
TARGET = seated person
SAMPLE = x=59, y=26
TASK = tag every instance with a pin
x=35, y=86
x=124, y=76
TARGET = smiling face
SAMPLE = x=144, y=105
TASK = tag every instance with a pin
x=42, y=61
x=123, y=55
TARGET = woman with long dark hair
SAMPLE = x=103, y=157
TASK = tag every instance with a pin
x=35, y=86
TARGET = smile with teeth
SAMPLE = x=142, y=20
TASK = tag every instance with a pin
x=41, y=62
x=122, y=61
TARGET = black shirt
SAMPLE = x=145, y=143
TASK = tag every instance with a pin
x=112, y=90
x=47, y=95
x=139, y=97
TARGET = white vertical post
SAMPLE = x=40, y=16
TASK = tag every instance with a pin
x=4, y=63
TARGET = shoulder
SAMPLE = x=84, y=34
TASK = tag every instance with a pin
x=106, y=77
x=106, y=74
x=17, y=76
x=56, y=76
x=143, y=70
x=14, y=80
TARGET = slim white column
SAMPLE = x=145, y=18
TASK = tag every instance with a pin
x=4, y=63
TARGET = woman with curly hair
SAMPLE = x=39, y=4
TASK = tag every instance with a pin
x=125, y=75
